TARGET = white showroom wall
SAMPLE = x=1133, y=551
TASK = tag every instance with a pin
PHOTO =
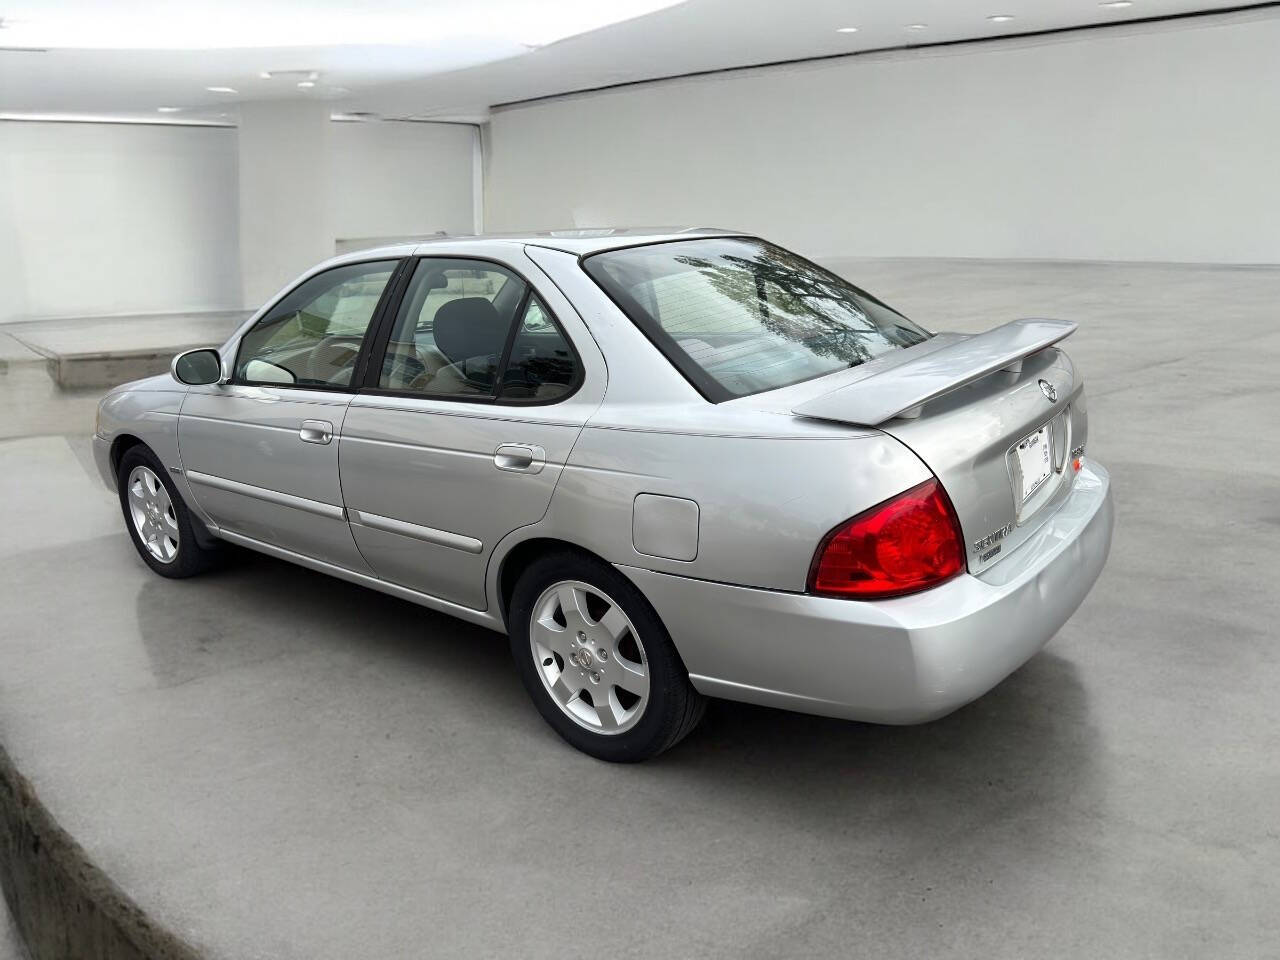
x=306, y=183
x=1151, y=142
x=284, y=210
x=116, y=218
x=401, y=179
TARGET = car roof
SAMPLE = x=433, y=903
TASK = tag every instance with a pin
x=582, y=241
x=578, y=241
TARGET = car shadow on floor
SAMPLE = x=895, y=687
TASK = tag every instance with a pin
x=1028, y=741
x=255, y=608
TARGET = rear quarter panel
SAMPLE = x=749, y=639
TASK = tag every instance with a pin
x=768, y=485
x=764, y=502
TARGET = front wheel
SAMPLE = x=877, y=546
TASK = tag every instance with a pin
x=158, y=521
x=598, y=662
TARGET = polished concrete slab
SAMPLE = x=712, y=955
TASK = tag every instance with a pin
x=14, y=351
x=96, y=352
x=79, y=336
x=273, y=763
x=34, y=404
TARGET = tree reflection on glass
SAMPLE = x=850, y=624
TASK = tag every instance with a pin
x=738, y=316
x=798, y=303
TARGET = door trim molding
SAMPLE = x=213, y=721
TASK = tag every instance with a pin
x=482, y=617
x=416, y=531
x=328, y=510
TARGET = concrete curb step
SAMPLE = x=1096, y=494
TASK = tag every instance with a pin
x=101, y=370
x=99, y=352
x=62, y=904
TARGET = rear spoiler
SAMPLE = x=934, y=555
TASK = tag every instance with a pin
x=901, y=390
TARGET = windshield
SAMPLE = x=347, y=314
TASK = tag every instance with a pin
x=738, y=316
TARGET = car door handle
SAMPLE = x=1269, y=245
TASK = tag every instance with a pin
x=520, y=458
x=316, y=431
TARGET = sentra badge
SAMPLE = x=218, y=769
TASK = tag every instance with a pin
x=995, y=536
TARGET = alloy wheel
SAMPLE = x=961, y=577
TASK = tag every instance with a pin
x=590, y=657
x=152, y=513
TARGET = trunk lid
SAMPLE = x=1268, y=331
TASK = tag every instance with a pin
x=995, y=416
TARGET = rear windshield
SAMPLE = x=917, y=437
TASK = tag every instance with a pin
x=738, y=316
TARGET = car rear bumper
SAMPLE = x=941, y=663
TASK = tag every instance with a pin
x=906, y=660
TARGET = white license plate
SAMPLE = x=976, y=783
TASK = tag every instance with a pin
x=1035, y=462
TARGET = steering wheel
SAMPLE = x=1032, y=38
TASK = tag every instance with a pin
x=332, y=357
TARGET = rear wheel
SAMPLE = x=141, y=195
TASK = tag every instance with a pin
x=598, y=662
x=158, y=521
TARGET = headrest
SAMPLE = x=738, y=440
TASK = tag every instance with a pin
x=469, y=327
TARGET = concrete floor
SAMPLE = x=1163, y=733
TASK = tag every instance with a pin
x=10, y=946
x=282, y=765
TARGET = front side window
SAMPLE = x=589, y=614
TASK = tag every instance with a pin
x=471, y=329
x=739, y=316
x=312, y=337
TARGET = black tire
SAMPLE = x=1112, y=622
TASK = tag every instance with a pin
x=673, y=707
x=190, y=557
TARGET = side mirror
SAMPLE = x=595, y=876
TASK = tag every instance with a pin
x=197, y=367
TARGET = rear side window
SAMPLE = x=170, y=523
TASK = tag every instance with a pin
x=542, y=367
x=470, y=329
x=739, y=316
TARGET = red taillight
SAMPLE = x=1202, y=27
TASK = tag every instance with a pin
x=905, y=544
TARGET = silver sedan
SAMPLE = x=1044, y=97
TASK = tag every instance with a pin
x=668, y=464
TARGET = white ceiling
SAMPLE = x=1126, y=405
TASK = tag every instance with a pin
x=453, y=58
x=123, y=57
